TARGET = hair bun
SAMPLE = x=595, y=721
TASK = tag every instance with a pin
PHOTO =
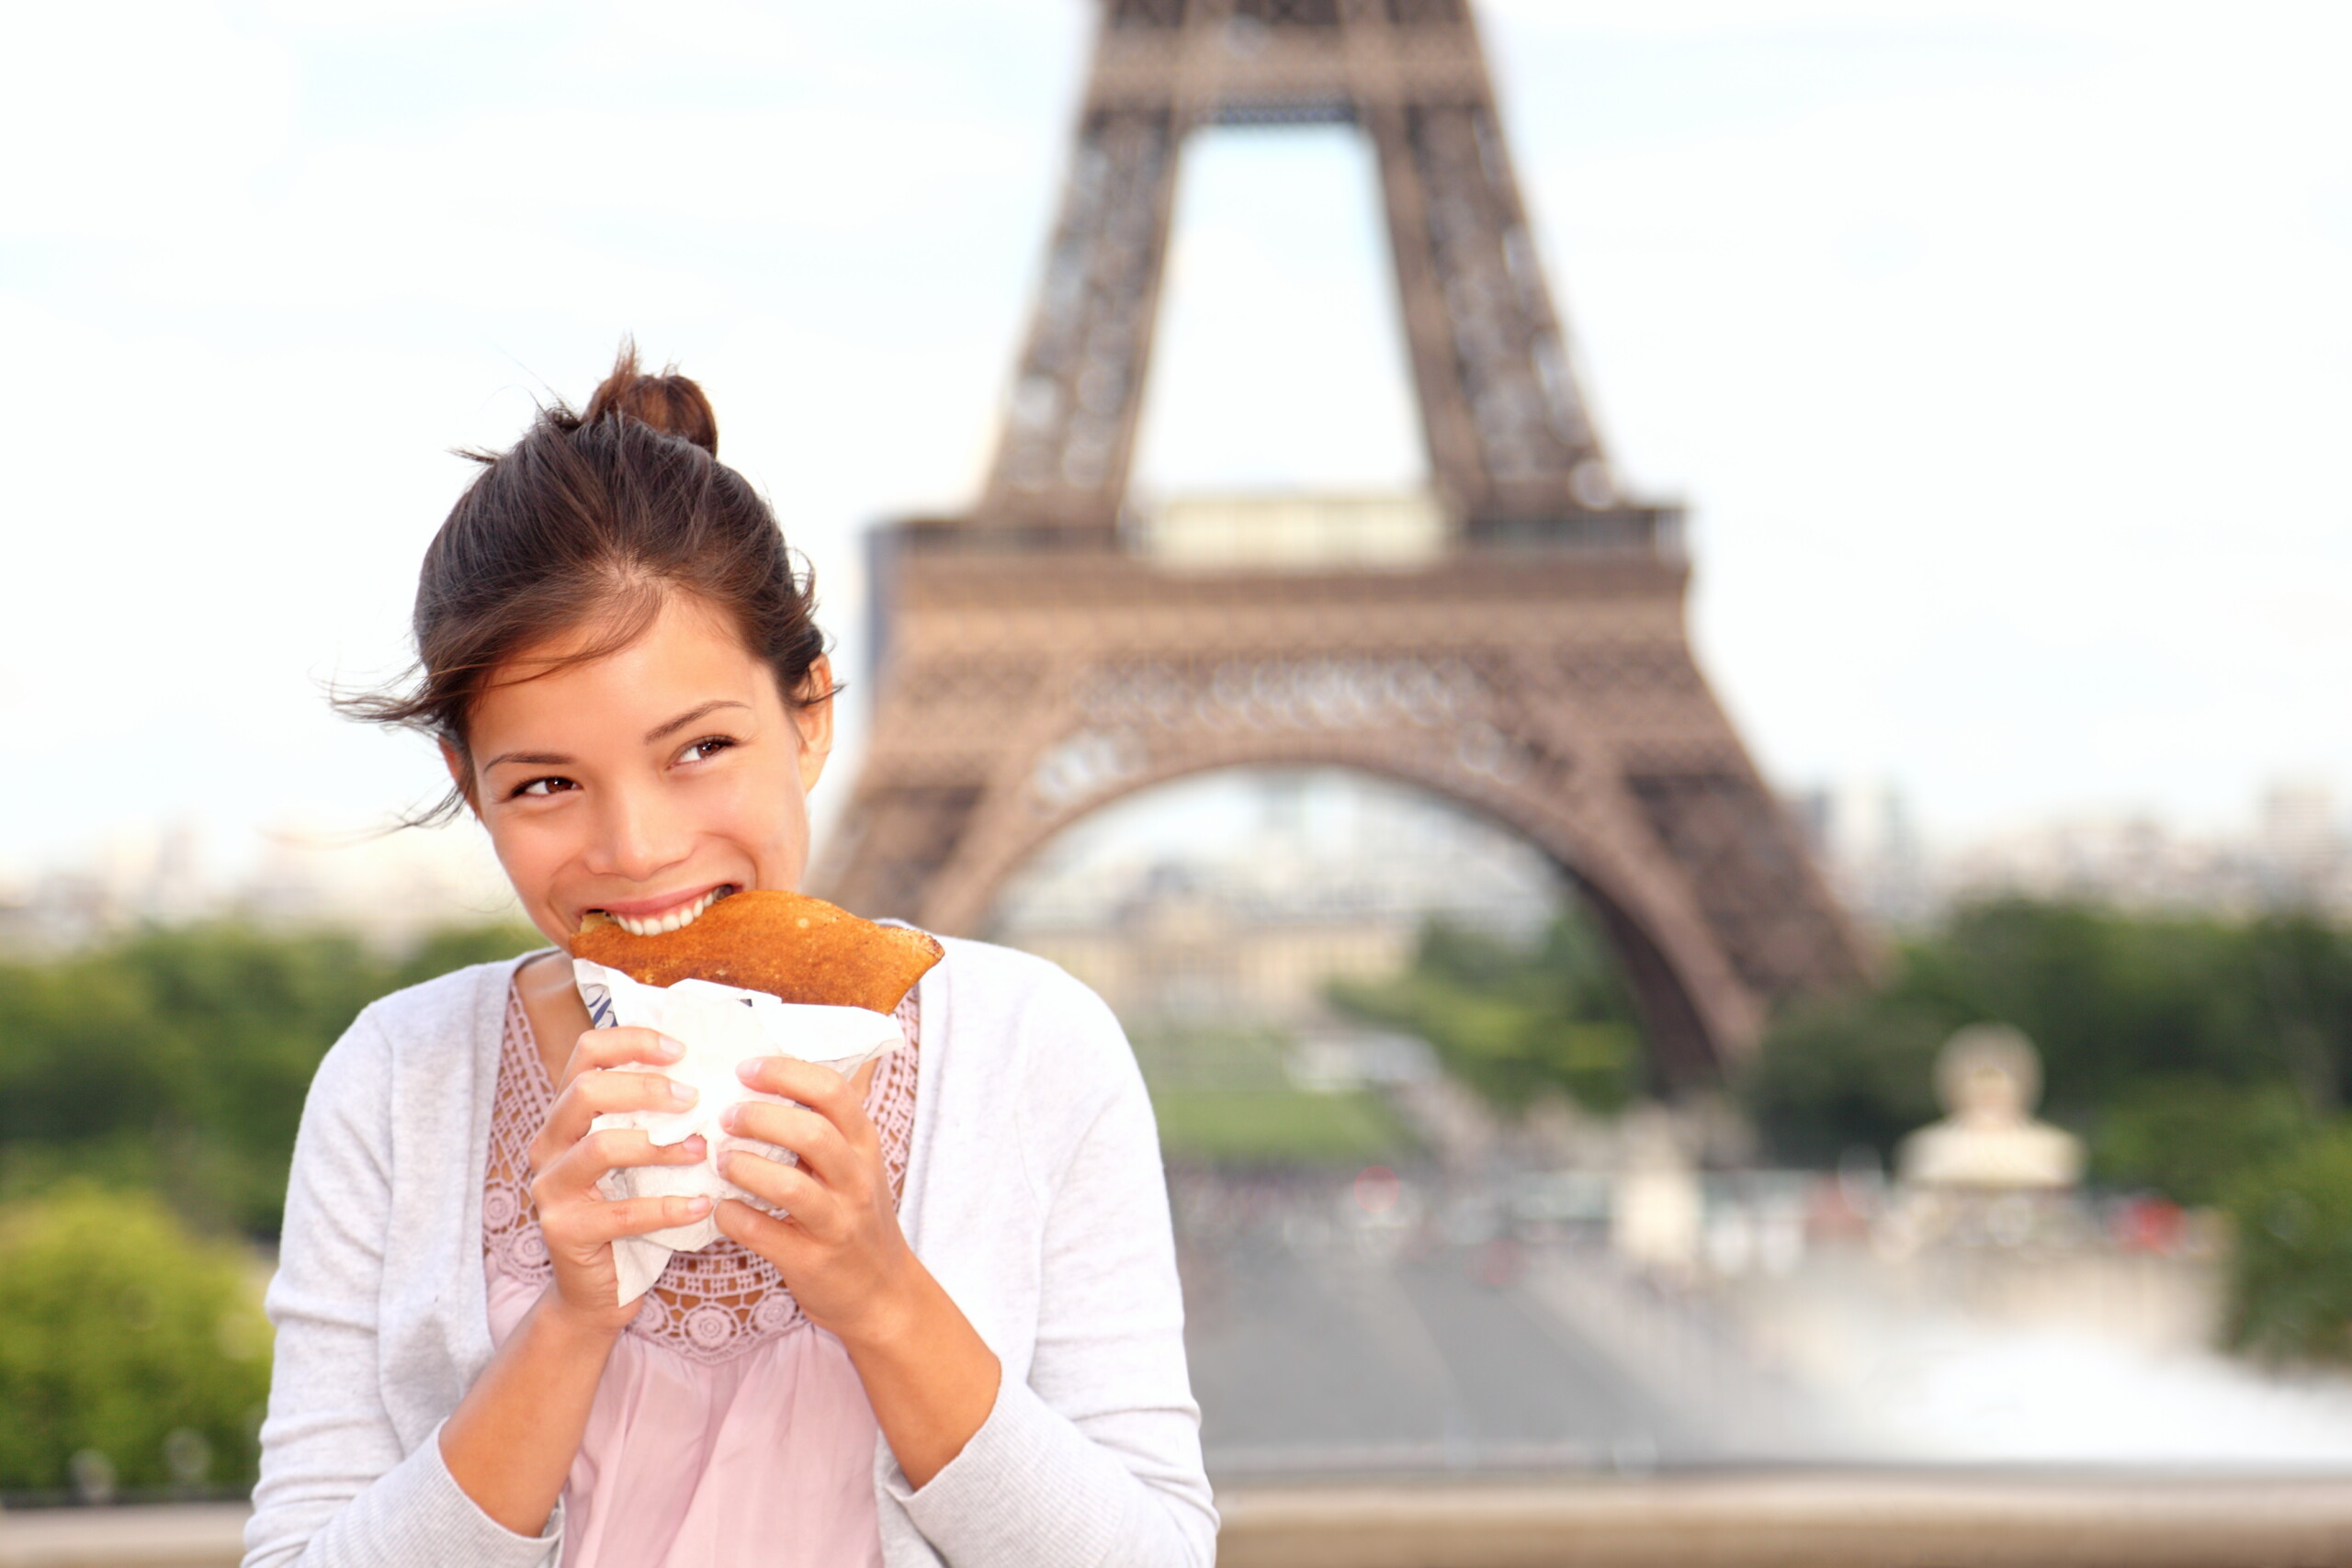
x=669, y=402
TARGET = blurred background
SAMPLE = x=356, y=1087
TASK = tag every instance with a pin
x=2000, y=352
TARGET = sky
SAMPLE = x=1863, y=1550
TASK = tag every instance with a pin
x=2001, y=351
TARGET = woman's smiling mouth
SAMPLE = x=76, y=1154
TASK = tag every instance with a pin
x=651, y=917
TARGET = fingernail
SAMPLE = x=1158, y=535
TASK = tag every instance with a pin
x=727, y=1117
x=697, y=1207
x=670, y=1049
x=683, y=1093
x=695, y=1147
x=746, y=1068
x=724, y=1161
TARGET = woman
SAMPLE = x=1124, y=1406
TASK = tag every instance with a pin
x=963, y=1346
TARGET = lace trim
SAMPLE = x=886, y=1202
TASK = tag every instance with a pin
x=710, y=1305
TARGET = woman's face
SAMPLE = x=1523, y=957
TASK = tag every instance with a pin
x=645, y=782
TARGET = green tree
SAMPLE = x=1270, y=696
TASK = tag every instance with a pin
x=2297, y=970
x=458, y=947
x=1514, y=1022
x=118, y=1330
x=2191, y=1138
x=178, y=1058
x=2129, y=1013
x=2292, y=1268
x=1844, y=1074
x=2107, y=998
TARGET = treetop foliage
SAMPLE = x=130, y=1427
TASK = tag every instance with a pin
x=122, y=1337
x=1511, y=1021
x=177, y=1059
x=2149, y=1028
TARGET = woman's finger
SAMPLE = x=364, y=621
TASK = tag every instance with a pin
x=602, y=1091
x=580, y=1166
x=821, y=1146
x=596, y=1224
x=610, y=1047
x=764, y=1234
x=814, y=1085
x=796, y=1192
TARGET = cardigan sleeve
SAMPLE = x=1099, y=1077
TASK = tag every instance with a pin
x=336, y=1488
x=1096, y=1458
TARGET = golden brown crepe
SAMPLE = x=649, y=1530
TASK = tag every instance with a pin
x=788, y=945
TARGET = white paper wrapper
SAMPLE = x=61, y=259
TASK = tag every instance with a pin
x=719, y=1026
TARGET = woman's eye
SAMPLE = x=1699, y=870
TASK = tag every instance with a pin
x=543, y=787
x=709, y=746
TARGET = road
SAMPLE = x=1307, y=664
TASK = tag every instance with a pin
x=1322, y=1353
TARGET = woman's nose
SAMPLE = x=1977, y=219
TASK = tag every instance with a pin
x=637, y=838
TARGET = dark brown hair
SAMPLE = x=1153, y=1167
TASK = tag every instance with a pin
x=595, y=519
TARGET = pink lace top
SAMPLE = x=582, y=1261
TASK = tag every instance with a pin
x=728, y=1428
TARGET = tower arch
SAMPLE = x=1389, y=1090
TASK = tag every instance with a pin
x=1654, y=959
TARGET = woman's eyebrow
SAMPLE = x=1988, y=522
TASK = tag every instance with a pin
x=687, y=717
x=530, y=759
x=558, y=760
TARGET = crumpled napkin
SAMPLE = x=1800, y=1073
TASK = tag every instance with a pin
x=719, y=1026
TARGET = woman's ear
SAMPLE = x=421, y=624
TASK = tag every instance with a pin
x=812, y=714
x=461, y=774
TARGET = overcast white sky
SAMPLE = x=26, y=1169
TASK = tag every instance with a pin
x=2002, y=350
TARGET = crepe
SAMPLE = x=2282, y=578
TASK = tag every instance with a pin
x=756, y=974
x=719, y=1026
x=787, y=945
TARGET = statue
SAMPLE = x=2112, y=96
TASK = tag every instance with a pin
x=1989, y=1079
x=1656, y=1208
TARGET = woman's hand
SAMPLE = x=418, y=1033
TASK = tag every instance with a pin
x=930, y=1377
x=510, y=1443
x=567, y=1159
x=840, y=1251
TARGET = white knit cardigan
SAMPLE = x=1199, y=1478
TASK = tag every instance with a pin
x=1033, y=1191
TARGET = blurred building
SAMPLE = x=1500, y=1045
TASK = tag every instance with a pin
x=1188, y=951
x=1291, y=533
x=2131, y=860
x=2300, y=843
x=389, y=887
x=1239, y=898
x=1863, y=835
x=2293, y=853
x=136, y=874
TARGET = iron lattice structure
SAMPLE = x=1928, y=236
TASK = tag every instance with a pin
x=1032, y=666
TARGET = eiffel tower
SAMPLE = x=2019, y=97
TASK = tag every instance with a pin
x=1038, y=657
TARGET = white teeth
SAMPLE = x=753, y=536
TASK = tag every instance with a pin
x=674, y=921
